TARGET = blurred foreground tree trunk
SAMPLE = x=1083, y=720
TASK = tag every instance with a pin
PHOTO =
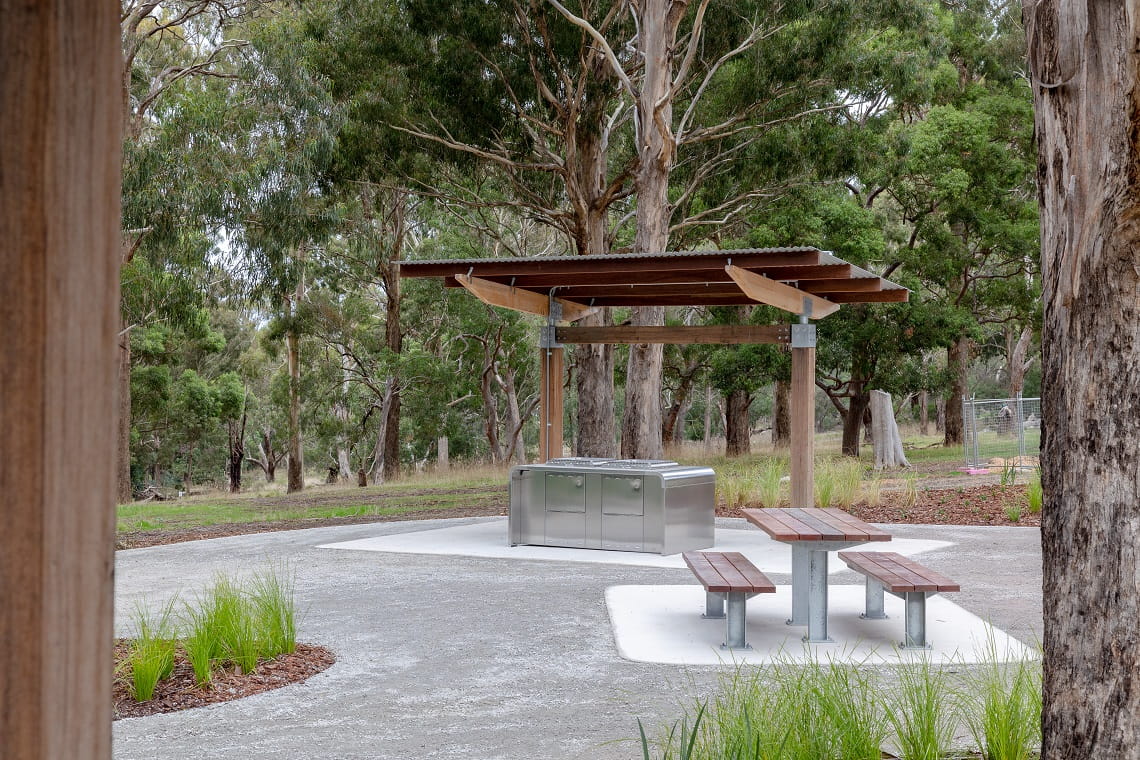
x=1084, y=62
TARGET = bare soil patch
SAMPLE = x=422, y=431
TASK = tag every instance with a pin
x=180, y=692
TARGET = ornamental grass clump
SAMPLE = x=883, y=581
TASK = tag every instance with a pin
x=848, y=475
x=922, y=714
x=1033, y=493
x=770, y=484
x=791, y=711
x=151, y=655
x=1003, y=706
x=274, y=611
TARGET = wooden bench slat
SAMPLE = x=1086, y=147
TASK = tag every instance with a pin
x=911, y=581
x=728, y=572
x=752, y=574
x=856, y=526
x=861, y=562
x=941, y=581
x=898, y=573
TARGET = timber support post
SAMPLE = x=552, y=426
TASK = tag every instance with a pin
x=803, y=414
x=550, y=387
x=60, y=243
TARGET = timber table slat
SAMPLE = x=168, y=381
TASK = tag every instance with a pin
x=827, y=529
x=871, y=532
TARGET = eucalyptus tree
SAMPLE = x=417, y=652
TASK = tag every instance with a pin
x=519, y=112
x=283, y=124
x=170, y=184
x=707, y=81
x=958, y=172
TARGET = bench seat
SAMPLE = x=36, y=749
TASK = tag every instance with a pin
x=903, y=577
x=730, y=579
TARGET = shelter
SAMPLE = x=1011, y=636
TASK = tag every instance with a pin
x=805, y=281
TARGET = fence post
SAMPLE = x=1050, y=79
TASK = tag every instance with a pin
x=1020, y=432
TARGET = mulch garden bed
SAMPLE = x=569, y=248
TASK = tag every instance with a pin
x=180, y=692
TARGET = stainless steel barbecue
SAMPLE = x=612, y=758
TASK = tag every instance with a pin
x=639, y=505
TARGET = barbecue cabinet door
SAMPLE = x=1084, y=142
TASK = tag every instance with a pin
x=565, y=510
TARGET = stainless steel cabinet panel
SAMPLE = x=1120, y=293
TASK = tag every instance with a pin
x=565, y=493
x=622, y=495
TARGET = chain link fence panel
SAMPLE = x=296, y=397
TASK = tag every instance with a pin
x=1002, y=432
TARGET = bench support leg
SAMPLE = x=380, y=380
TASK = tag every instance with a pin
x=874, y=601
x=801, y=570
x=714, y=605
x=916, y=621
x=817, y=598
x=735, y=620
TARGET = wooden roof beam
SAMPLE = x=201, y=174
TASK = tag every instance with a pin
x=760, y=288
x=520, y=299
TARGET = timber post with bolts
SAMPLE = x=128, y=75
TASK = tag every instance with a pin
x=551, y=403
x=803, y=414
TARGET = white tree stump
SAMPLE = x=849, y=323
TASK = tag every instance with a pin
x=887, y=441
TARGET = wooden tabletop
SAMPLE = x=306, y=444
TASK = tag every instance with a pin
x=791, y=525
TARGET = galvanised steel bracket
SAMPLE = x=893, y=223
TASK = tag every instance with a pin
x=803, y=336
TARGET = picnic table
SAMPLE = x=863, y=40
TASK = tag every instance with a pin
x=812, y=534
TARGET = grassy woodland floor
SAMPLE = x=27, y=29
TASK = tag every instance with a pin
x=932, y=491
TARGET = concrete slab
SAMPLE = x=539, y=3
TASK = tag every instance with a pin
x=663, y=624
x=445, y=656
x=489, y=539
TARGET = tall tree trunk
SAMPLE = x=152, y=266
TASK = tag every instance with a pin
x=673, y=427
x=736, y=435
x=657, y=25
x=268, y=459
x=296, y=466
x=958, y=364
x=1088, y=127
x=595, y=384
x=588, y=137
x=394, y=340
x=380, y=450
x=707, y=437
x=782, y=414
x=853, y=421
x=1017, y=351
x=515, y=449
x=490, y=413
x=923, y=413
x=236, y=430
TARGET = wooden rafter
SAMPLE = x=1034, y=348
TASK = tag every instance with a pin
x=520, y=299
x=760, y=288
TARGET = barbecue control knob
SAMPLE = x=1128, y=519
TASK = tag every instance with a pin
x=637, y=485
x=578, y=481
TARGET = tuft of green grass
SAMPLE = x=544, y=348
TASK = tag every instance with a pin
x=151, y=655
x=274, y=611
x=922, y=714
x=770, y=484
x=1013, y=512
x=825, y=485
x=872, y=490
x=1003, y=706
x=848, y=474
x=1034, y=496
